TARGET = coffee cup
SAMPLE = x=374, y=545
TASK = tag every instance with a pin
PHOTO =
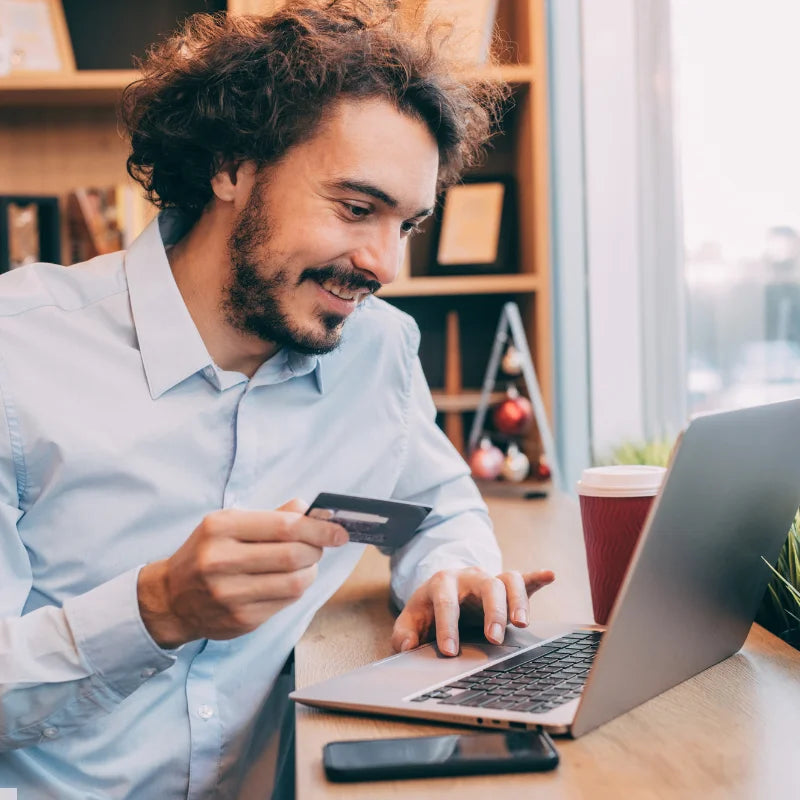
x=615, y=501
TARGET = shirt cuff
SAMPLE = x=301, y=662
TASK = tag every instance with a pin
x=478, y=550
x=111, y=637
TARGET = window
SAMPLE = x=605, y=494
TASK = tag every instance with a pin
x=737, y=121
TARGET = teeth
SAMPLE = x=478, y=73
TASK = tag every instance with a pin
x=334, y=288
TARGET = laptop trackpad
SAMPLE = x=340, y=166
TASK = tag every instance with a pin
x=468, y=652
x=416, y=668
x=402, y=674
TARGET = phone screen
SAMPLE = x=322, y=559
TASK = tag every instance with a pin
x=428, y=756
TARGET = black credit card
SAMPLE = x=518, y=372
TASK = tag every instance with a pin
x=368, y=520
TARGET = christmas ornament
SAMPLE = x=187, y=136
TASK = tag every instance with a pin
x=543, y=471
x=512, y=361
x=486, y=460
x=515, y=465
x=514, y=415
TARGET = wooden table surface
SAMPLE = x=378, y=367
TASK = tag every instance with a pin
x=731, y=732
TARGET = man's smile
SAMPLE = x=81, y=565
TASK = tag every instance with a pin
x=345, y=294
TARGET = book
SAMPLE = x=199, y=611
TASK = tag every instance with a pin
x=105, y=219
x=30, y=230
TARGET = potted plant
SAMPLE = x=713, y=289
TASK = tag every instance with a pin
x=780, y=609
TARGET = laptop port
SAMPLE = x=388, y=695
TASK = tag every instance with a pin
x=520, y=725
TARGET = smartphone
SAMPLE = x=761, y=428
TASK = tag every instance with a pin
x=430, y=756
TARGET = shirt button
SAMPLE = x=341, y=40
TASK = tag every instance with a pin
x=208, y=371
x=148, y=672
x=50, y=733
x=205, y=712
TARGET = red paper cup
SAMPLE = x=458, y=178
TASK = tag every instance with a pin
x=614, y=502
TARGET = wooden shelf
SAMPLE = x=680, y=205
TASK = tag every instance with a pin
x=66, y=88
x=105, y=86
x=509, y=73
x=529, y=489
x=524, y=283
x=463, y=401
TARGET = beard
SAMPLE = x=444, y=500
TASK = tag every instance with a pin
x=252, y=301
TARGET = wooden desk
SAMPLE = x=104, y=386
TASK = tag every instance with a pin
x=731, y=732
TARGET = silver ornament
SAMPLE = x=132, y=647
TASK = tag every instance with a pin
x=512, y=361
x=515, y=465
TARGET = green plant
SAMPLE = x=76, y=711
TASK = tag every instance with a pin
x=780, y=609
x=655, y=452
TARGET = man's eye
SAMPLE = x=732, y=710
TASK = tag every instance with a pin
x=357, y=212
x=411, y=228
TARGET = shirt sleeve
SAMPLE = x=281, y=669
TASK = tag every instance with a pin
x=60, y=666
x=457, y=533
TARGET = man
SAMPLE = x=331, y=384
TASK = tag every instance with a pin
x=154, y=403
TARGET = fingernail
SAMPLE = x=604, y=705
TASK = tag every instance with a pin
x=521, y=616
x=496, y=632
x=450, y=646
x=407, y=644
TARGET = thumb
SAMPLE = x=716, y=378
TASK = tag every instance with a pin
x=411, y=626
x=296, y=504
x=404, y=636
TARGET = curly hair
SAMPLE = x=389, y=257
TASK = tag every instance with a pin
x=233, y=88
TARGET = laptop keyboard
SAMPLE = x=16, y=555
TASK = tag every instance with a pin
x=535, y=681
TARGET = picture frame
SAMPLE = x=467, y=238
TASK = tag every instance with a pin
x=30, y=231
x=34, y=38
x=477, y=230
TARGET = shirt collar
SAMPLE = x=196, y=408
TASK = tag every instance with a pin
x=301, y=364
x=171, y=346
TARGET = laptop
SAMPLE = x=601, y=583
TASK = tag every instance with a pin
x=687, y=602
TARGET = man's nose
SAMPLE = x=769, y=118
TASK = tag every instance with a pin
x=381, y=255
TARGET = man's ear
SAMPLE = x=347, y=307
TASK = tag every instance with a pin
x=234, y=181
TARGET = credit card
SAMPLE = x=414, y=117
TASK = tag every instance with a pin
x=384, y=523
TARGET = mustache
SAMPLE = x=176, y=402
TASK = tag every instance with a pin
x=343, y=276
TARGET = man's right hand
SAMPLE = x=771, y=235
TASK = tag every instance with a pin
x=236, y=570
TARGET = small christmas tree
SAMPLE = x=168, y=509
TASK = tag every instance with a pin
x=515, y=412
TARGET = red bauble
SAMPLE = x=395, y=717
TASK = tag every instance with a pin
x=514, y=415
x=486, y=460
x=543, y=469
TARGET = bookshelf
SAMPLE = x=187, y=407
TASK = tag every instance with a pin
x=59, y=131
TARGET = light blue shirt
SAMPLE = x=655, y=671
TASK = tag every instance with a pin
x=118, y=434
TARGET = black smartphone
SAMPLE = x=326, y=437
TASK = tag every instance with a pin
x=431, y=756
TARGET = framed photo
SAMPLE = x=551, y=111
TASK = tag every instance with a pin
x=29, y=231
x=34, y=37
x=477, y=233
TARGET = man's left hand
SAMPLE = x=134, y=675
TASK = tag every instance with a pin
x=472, y=596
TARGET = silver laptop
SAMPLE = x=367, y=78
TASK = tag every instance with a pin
x=687, y=602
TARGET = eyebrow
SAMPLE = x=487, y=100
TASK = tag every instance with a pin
x=373, y=191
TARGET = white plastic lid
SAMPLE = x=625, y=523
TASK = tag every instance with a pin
x=626, y=480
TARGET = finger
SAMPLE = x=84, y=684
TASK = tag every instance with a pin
x=239, y=590
x=257, y=558
x=536, y=580
x=231, y=557
x=409, y=629
x=443, y=591
x=275, y=526
x=517, y=597
x=414, y=623
x=495, y=605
